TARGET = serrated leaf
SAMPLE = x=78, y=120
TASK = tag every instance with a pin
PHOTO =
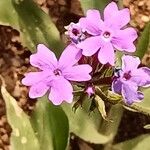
x=96, y=4
x=22, y=136
x=138, y=143
x=143, y=42
x=51, y=125
x=85, y=125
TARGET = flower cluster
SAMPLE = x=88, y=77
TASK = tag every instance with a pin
x=89, y=59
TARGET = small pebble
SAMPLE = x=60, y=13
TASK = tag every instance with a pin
x=145, y=18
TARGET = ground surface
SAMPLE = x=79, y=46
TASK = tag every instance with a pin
x=14, y=62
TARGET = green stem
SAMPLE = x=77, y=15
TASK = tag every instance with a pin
x=110, y=129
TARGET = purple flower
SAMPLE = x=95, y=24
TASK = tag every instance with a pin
x=107, y=35
x=129, y=78
x=75, y=32
x=54, y=75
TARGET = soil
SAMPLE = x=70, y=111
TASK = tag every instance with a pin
x=14, y=62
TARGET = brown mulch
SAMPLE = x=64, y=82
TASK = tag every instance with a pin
x=14, y=62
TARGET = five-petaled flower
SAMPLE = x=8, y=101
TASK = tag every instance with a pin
x=129, y=78
x=107, y=35
x=54, y=75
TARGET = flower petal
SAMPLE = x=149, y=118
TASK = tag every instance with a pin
x=70, y=56
x=61, y=90
x=129, y=63
x=130, y=93
x=116, y=86
x=90, y=45
x=123, y=40
x=38, y=90
x=44, y=58
x=94, y=16
x=33, y=78
x=128, y=33
x=92, y=23
x=107, y=54
x=78, y=73
x=141, y=76
x=110, y=10
x=147, y=72
x=118, y=19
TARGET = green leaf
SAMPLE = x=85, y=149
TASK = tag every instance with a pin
x=8, y=15
x=114, y=97
x=130, y=109
x=51, y=125
x=101, y=106
x=118, y=59
x=22, y=136
x=34, y=25
x=138, y=143
x=143, y=42
x=108, y=96
x=97, y=4
x=85, y=125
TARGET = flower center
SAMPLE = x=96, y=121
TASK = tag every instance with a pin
x=75, y=31
x=127, y=75
x=57, y=72
x=106, y=34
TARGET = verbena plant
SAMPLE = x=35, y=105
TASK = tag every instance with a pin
x=100, y=67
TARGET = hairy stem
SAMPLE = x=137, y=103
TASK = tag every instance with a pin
x=110, y=128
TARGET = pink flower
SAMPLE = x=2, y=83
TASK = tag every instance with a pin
x=107, y=35
x=90, y=90
x=54, y=75
x=129, y=78
x=75, y=32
